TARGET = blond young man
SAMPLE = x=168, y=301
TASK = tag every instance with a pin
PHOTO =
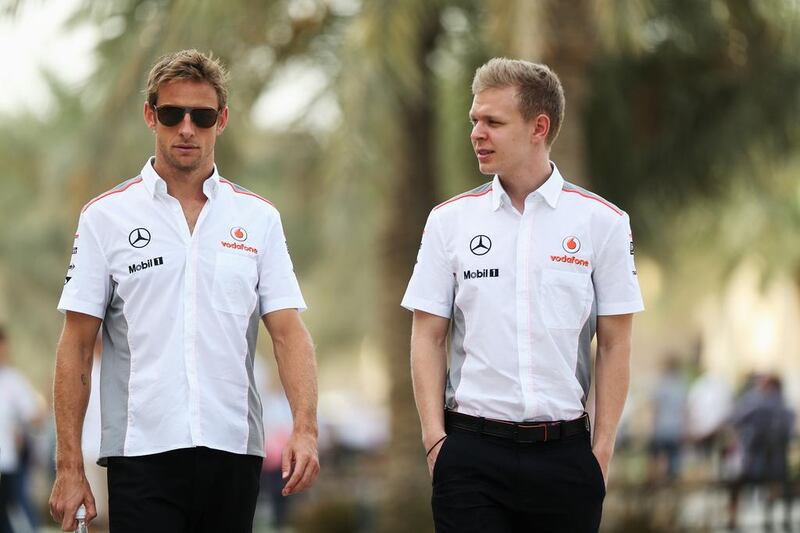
x=180, y=265
x=513, y=279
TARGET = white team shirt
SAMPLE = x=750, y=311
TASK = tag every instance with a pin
x=181, y=312
x=523, y=292
x=19, y=405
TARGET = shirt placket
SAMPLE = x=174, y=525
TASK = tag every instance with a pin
x=190, y=297
x=525, y=303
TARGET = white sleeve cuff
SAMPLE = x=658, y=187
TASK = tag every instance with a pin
x=81, y=306
x=277, y=304
x=420, y=304
x=620, y=308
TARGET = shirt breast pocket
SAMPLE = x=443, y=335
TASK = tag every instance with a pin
x=234, y=286
x=565, y=298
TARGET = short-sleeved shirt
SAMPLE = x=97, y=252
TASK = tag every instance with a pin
x=18, y=407
x=180, y=312
x=523, y=292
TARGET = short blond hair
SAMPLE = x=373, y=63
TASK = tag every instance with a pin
x=538, y=88
x=188, y=65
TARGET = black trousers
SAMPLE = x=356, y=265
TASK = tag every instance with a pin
x=488, y=484
x=189, y=490
x=7, y=482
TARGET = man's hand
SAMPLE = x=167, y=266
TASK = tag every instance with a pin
x=70, y=490
x=603, y=457
x=71, y=390
x=300, y=462
x=297, y=368
x=428, y=375
x=612, y=376
x=434, y=454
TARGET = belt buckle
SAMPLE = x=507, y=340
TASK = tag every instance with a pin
x=533, y=426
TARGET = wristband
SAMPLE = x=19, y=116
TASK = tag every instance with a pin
x=434, y=446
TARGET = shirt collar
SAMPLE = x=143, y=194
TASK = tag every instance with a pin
x=499, y=194
x=549, y=190
x=155, y=184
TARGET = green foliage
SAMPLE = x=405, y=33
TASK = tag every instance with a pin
x=690, y=124
x=682, y=115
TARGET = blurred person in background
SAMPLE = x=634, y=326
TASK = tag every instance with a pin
x=179, y=264
x=278, y=422
x=709, y=404
x=26, y=468
x=763, y=423
x=669, y=418
x=277, y=416
x=527, y=267
x=20, y=409
x=90, y=443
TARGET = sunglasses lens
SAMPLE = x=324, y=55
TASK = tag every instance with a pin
x=204, y=118
x=169, y=115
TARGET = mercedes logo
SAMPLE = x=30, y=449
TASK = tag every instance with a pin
x=139, y=238
x=480, y=245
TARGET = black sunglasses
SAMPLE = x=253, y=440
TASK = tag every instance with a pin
x=172, y=115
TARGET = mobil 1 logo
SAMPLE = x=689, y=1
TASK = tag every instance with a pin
x=144, y=265
x=482, y=273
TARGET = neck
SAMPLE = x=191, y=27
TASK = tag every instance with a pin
x=184, y=185
x=519, y=186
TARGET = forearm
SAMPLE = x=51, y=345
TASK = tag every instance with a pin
x=297, y=369
x=428, y=371
x=612, y=380
x=71, y=388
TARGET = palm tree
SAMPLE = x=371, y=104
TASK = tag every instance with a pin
x=562, y=35
x=389, y=49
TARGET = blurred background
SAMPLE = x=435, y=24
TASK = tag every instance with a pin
x=351, y=116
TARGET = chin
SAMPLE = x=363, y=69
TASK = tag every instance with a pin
x=186, y=165
x=486, y=169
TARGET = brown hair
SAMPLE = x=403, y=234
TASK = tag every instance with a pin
x=538, y=88
x=188, y=65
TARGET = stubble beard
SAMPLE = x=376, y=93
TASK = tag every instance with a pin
x=190, y=166
x=178, y=165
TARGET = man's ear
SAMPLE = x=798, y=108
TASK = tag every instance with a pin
x=149, y=116
x=540, y=128
x=222, y=120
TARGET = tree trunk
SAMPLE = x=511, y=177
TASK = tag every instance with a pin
x=406, y=507
x=569, y=39
x=563, y=35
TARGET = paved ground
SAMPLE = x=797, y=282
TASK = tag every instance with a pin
x=708, y=512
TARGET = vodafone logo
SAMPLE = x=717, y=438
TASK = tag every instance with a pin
x=239, y=234
x=571, y=244
x=570, y=260
x=239, y=246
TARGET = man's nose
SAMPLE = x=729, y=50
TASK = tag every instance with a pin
x=187, y=126
x=478, y=132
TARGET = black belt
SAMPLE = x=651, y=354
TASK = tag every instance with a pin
x=521, y=432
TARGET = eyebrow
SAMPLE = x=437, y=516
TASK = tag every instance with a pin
x=473, y=117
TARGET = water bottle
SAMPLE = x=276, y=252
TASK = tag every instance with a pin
x=80, y=516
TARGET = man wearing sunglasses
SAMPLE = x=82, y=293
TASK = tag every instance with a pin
x=179, y=265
